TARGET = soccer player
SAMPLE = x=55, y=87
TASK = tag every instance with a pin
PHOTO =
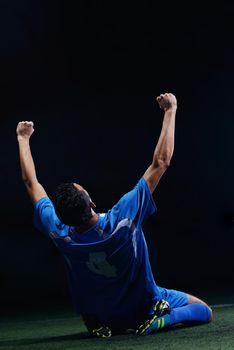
x=105, y=254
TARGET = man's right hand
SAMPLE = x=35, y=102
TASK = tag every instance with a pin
x=167, y=101
x=24, y=129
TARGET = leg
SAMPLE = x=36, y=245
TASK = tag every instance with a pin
x=179, y=299
x=194, y=300
x=184, y=308
x=195, y=312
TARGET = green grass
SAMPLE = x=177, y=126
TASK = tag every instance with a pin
x=65, y=331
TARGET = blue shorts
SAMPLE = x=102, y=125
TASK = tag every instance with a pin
x=174, y=297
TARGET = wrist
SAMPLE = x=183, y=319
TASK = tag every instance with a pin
x=171, y=109
x=21, y=138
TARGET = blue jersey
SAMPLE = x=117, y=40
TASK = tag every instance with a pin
x=108, y=265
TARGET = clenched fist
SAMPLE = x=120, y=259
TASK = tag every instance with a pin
x=167, y=101
x=24, y=129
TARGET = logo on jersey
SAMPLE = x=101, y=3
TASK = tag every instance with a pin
x=98, y=264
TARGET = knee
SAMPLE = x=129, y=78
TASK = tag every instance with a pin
x=202, y=313
x=194, y=300
x=211, y=314
x=208, y=313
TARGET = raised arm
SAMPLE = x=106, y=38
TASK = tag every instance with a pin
x=35, y=190
x=165, y=146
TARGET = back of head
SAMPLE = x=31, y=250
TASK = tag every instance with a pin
x=72, y=206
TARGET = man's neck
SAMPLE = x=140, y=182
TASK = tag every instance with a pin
x=93, y=220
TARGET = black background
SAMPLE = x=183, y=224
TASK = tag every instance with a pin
x=87, y=74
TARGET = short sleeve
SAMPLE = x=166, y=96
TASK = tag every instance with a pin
x=45, y=218
x=136, y=205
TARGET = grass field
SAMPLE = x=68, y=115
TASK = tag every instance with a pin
x=66, y=331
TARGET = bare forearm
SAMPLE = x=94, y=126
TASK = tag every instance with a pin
x=26, y=161
x=165, y=145
x=164, y=149
x=35, y=190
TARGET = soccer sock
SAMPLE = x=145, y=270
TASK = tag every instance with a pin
x=197, y=313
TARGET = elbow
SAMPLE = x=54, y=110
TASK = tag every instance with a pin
x=27, y=182
x=162, y=163
x=166, y=163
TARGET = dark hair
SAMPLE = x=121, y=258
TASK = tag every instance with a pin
x=72, y=205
